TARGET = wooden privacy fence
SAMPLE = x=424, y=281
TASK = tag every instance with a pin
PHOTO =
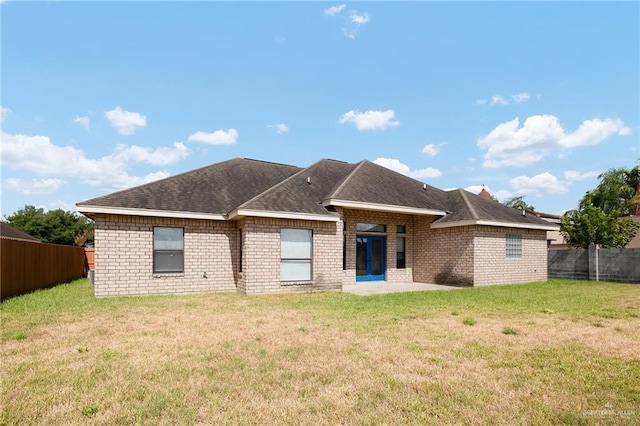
x=27, y=266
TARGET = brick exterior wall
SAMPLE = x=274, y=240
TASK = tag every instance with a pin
x=492, y=266
x=476, y=255
x=261, y=256
x=124, y=256
x=470, y=255
x=443, y=256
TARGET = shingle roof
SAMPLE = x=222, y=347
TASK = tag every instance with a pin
x=248, y=187
x=218, y=188
x=304, y=191
x=7, y=231
x=371, y=183
x=465, y=206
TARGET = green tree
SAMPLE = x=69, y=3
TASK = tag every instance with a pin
x=519, y=203
x=599, y=218
x=592, y=225
x=619, y=190
x=55, y=226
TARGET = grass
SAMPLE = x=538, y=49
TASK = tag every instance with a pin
x=560, y=352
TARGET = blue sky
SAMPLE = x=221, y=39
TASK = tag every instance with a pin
x=532, y=99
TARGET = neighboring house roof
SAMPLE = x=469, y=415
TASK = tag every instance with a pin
x=243, y=187
x=6, y=231
x=485, y=194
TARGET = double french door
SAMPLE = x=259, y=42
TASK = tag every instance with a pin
x=370, y=258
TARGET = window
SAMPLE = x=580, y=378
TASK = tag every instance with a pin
x=371, y=227
x=168, y=249
x=295, y=254
x=514, y=245
x=400, y=253
x=401, y=229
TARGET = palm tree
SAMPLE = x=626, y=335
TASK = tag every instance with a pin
x=520, y=204
x=619, y=189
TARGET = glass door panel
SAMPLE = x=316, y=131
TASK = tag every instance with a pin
x=370, y=258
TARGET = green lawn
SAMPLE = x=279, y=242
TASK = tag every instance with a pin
x=560, y=352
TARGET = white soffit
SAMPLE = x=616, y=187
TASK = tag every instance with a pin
x=495, y=224
x=148, y=212
x=283, y=215
x=383, y=207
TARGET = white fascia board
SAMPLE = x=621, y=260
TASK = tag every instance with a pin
x=283, y=215
x=473, y=222
x=359, y=205
x=148, y=212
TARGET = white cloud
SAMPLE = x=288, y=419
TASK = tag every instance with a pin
x=520, y=97
x=4, y=112
x=219, y=137
x=359, y=19
x=82, y=121
x=573, y=176
x=592, y=132
x=430, y=149
x=34, y=186
x=369, y=120
x=351, y=21
x=38, y=155
x=397, y=166
x=498, y=100
x=334, y=10
x=280, y=128
x=625, y=131
x=125, y=122
x=543, y=183
x=161, y=156
x=511, y=145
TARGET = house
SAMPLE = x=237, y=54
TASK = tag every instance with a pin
x=7, y=231
x=252, y=226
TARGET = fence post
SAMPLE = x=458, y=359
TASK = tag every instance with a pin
x=594, y=273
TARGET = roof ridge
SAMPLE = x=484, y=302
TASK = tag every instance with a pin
x=340, y=185
x=265, y=161
x=474, y=215
x=274, y=187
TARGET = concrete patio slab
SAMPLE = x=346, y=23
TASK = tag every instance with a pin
x=382, y=287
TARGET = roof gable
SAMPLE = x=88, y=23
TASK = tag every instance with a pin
x=372, y=183
x=302, y=192
x=467, y=207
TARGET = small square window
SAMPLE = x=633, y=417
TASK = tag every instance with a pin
x=514, y=245
x=401, y=229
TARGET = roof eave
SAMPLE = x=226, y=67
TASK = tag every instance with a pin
x=360, y=205
x=240, y=213
x=89, y=210
x=480, y=222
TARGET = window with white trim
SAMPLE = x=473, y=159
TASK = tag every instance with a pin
x=296, y=254
x=514, y=245
x=168, y=250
